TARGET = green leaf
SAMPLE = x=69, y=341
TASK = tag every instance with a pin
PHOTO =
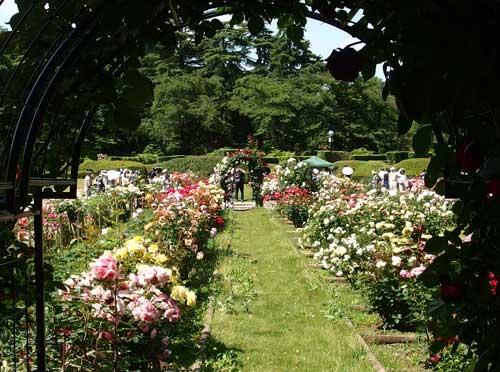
x=435, y=167
x=255, y=25
x=237, y=19
x=368, y=71
x=486, y=358
x=217, y=24
x=295, y=33
x=422, y=141
x=385, y=91
x=491, y=168
x=436, y=245
x=126, y=117
x=404, y=124
x=137, y=89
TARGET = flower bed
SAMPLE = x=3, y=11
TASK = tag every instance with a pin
x=123, y=258
x=377, y=240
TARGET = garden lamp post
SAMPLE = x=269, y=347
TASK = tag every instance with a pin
x=330, y=142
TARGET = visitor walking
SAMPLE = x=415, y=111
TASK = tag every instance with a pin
x=402, y=180
x=393, y=179
x=376, y=180
x=87, y=184
x=239, y=182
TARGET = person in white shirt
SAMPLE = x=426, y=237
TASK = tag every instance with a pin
x=393, y=179
x=402, y=180
x=87, y=184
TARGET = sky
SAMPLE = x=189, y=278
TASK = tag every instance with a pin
x=323, y=37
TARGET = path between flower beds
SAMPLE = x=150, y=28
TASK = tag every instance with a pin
x=285, y=328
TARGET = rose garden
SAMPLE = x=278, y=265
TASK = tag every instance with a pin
x=365, y=237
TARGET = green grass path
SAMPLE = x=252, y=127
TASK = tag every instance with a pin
x=285, y=328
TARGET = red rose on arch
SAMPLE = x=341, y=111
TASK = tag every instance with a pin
x=493, y=188
x=345, y=64
x=451, y=292
x=469, y=154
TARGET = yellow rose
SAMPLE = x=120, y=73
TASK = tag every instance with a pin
x=191, y=298
x=160, y=258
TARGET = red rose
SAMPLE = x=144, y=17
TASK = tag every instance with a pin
x=450, y=292
x=469, y=155
x=493, y=188
x=344, y=64
x=434, y=358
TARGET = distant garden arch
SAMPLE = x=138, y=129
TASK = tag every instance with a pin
x=255, y=165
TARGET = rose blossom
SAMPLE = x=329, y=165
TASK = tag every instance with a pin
x=104, y=268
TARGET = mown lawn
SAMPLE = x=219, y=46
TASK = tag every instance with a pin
x=271, y=309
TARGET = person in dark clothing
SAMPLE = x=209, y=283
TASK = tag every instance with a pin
x=239, y=182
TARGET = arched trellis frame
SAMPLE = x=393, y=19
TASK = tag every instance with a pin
x=255, y=164
x=63, y=59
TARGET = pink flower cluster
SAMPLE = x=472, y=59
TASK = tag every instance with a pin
x=416, y=271
x=134, y=299
x=104, y=268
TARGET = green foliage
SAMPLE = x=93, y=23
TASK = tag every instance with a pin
x=282, y=156
x=361, y=151
x=413, y=167
x=422, y=141
x=361, y=168
x=139, y=158
x=169, y=157
x=380, y=157
x=397, y=156
x=271, y=160
x=200, y=165
x=97, y=165
x=334, y=156
x=222, y=151
x=401, y=304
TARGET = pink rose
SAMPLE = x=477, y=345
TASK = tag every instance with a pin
x=405, y=274
x=417, y=271
x=104, y=268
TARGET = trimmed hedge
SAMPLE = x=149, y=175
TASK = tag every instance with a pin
x=222, y=152
x=361, y=151
x=334, y=156
x=202, y=165
x=169, y=157
x=361, y=168
x=379, y=157
x=413, y=167
x=397, y=156
x=98, y=165
x=271, y=160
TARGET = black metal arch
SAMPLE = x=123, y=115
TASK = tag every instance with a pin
x=55, y=50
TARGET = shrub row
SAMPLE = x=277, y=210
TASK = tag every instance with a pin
x=202, y=165
x=363, y=169
x=98, y=165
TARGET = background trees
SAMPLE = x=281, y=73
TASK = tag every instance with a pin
x=216, y=92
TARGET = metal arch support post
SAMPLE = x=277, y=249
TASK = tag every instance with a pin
x=39, y=285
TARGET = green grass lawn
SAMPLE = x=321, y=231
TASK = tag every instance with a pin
x=271, y=309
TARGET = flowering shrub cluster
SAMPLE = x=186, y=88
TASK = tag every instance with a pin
x=184, y=220
x=135, y=307
x=293, y=175
x=294, y=204
x=378, y=239
x=123, y=313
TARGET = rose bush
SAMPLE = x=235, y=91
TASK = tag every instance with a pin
x=377, y=240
